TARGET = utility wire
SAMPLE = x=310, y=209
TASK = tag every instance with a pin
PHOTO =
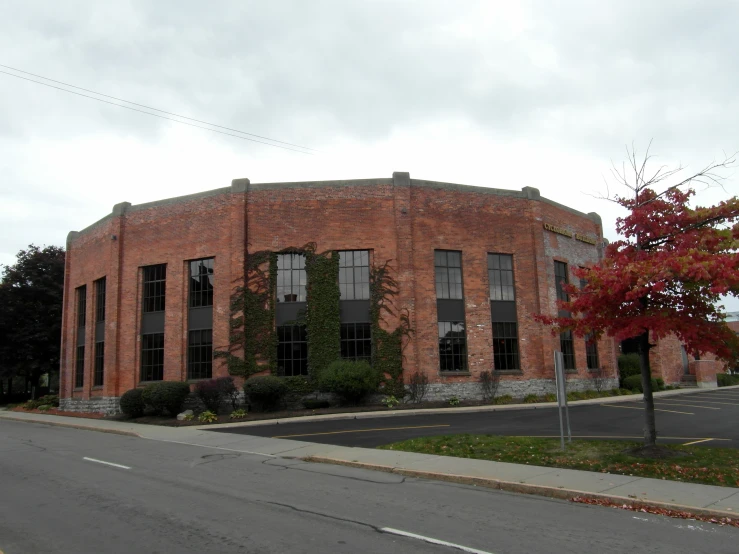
x=158, y=110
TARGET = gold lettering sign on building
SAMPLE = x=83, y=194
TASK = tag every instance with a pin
x=585, y=238
x=558, y=230
x=570, y=234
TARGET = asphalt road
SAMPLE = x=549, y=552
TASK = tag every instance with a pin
x=680, y=419
x=60, y=494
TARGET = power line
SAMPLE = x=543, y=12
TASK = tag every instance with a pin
x=158, y=110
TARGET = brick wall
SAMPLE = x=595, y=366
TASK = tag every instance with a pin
x=398, y=219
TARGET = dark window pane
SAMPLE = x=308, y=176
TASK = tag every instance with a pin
x=291, y=278
x=100, y=286
x=452, y=346
x=154, y=287
x=356, y=341
x=81, y=306
x=561, y=277
x=292, y=350
x=99, y=364
x=201, y=283
x=567, y=347
x=200, y=354
x=505, y=346
x=152, y=357
x=79, y=367
x=500, y=277
x=354, y=274
x=591, y=352
x=448, y=274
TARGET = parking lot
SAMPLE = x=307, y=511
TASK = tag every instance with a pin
x=702, y=417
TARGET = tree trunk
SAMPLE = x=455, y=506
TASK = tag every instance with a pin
x=650, y=427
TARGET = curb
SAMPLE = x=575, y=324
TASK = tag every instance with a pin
x=465, y=409
x=73, y=426
x=524, y=488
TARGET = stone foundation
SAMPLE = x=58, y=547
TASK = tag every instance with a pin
x=108, y=405
x=517, y=389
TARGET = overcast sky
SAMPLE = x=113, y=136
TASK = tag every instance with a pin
x=495, y=94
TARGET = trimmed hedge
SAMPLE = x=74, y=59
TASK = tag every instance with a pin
x=132, y=403
x=726, y=380
x=351, y=380
x=633, y=383
x=628, y=365
x=313, y=404
x=166, y=396
x=265, y=392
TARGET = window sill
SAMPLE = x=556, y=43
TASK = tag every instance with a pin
x=78, y=389
x=97, y=387
x=455, y=374
x=595, y=370
x=570, y=370
x=508, y=371
x=144, y=383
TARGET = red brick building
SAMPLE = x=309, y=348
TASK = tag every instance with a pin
x=147, y=287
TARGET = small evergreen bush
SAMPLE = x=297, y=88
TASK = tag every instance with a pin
x=166, y=396
x=265, y=392
x=349, y=379
x=530, y=399
x=132, y=403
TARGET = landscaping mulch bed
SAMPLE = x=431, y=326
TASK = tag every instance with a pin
x=57, y=411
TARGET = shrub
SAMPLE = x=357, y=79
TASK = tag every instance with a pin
x=50, y=399
x=210, y=394
x=132, y=403
x=489, y=384
x=228, y=390
x=166, y=395
x=207, y=417
x=625, y=392
x=530, y=399
x=454, y=401
x=726, y=380
x=45, y=407
x=390, y=401
x=628, y=365
x=238, y=414
x=660, y=383
x=298, y=385
x=313, y=404
x=418, y=386
x=505, y=399
x=550, y=397
x=634, y=383
x=265, y=392
x=615, y=392
x=350, y=380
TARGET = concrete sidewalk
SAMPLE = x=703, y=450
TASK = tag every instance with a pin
x=557, y=483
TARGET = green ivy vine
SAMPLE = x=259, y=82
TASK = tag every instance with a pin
x=323, y=318
x=253, y=346
x=253, y=336
x=387, y=346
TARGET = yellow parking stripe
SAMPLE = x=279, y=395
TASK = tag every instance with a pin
x=359, y=431
x=696, y=442
x=656, y=409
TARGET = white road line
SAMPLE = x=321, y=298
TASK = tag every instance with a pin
x=696, y=442
x=680, y=403
x=106, y=463
x=392, y=531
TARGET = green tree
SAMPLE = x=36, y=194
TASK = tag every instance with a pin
x=31, y=313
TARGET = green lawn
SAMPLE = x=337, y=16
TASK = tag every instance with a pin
x=701, y=464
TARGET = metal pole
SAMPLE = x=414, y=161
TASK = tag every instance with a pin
x=557, y=371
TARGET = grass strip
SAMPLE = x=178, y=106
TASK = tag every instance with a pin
x=687, y=464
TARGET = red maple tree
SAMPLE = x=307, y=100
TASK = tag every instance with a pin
x=665, y=276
